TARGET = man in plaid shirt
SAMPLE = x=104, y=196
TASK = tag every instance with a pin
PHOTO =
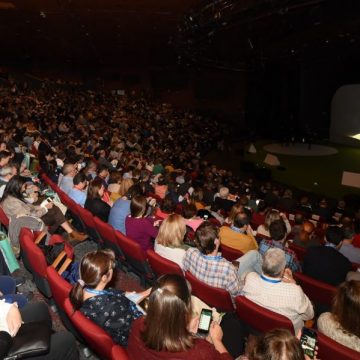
x=206, y=265
x=277, y=231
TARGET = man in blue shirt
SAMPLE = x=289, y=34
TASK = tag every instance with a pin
x=78, y=192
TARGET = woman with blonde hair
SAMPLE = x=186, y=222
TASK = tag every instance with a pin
x=235, y=209
x=125, y=185
x=270, y=217
x=169, y=242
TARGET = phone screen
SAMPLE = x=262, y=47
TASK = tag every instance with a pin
x=205, y=320
x=308, y=342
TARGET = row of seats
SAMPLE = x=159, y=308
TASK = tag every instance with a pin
x=131, y=257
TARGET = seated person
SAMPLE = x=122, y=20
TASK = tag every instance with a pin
x=191, y=219
x=270, y=217
x=326, y=263
x=121, y=208
x=207, y=265
x=62, y=343
x=347, y=248
x=278, y=234
x=238, y=236
x=306, y=237
x=342, y=323
x=275, y=344
x=94, y=203
x=222, y=201
x=169, y=242
x=15, y=205
x=138, y=226
x=78, y=192
x=66, y=180
x=167, y=207
x=168, y=330
x=109, y=308
x=276, y=290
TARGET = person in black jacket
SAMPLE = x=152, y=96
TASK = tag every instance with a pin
x=326, y=263
x=94, y=203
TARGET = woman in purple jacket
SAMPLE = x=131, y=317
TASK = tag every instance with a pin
x=138, y=226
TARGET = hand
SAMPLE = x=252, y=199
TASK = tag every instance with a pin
x=13, y=320
x=157, y=222
x=144, y=294
x=194, y=324
x=215, y=332
x=288, y=277
x=49, y=205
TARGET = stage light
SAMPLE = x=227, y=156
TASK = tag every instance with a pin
x=356, y=136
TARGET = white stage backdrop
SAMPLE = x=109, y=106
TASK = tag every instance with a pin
x=345, y=115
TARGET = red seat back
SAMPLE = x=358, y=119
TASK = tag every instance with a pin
x=229, y=253
x=162, y=266
x=105, y=231
x=298, y=250
x=214, y=297
x=259, y=318
x=130, y=248
x=96, y=338
x=317, y=291
x=60, y=288
x=34, y=254
x=332, y=350
x=135, y=257
x=4, y=220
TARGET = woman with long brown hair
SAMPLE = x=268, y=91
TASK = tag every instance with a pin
x=168, y=330
x=343, y=323
x=94, y=203
x=108, y=308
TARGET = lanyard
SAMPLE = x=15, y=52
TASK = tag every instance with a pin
x=232, y=227
x=270, y=280
x=96, y=292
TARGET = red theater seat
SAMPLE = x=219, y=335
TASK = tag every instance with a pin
x=229, y=253
x=259, y=318
x=214, y=297
x=96, y=338
x=161, y=266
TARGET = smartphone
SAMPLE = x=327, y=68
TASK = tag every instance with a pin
x=205, y=321
x=308, y=342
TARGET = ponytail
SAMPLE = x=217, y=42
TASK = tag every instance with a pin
x=77, y=294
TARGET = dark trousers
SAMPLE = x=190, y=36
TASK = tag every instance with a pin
x=235, y=334
x=53, y=218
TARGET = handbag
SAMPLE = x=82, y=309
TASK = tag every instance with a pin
x=8, y=253
x=32, y=339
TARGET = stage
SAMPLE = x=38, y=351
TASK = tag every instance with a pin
x=300, y=149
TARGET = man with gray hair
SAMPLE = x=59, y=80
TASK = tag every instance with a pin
x=6, y=173
x=276, y=290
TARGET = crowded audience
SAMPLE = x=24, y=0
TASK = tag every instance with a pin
x=141, y=168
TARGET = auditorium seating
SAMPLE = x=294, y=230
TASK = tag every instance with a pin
x=332, y=350
x=214, y=297
x=161, y=266
x=317, y=291
x=135, y=258
x=259, y=318
x=96, y=338
x=229, y=253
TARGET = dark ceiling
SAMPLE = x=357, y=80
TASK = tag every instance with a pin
x=87, y=32
x=232, y=33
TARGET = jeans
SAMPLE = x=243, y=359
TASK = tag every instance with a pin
x=250, y=262
x=8, y=289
